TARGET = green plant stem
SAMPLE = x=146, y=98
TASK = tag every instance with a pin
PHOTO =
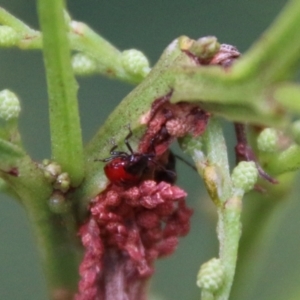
x=81, y=38
x=276, y=53
x=229, y=208
x=8, y=151
x=210, y=156
x=261, y=219
x=66, y=138
x=286, y=161
x=108, y=57
x=29, y=38
x=8, y=19
x=222, y=93
x=248, y=92
x=55, y=234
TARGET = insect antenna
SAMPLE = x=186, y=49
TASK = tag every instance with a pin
x=185, y=161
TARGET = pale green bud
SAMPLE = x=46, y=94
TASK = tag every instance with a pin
x=51, y=170
x=135, y=62
x=62, y=182
x=267, y=140
x=9, y=105
x=211, y=275
x=83, y=64
x=8, y=36
x=244, y=175
x=205, y=47
x=58, y=203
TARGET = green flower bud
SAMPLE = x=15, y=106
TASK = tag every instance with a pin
x=62, y=182
x=46, y=162
x=244, y=175
x=267, y=140
x=8, y=36
x=9, y=105
x=83, y=64
x=51, y=170
x=58, y=203
x=211, y=275
x=135, y=62
x=205, y=47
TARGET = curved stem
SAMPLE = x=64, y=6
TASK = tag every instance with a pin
x=275, y=54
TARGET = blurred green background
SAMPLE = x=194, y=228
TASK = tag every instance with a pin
x=148, y=26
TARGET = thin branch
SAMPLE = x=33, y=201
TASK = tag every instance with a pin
x=8, y=19
x=210, y=155
x=66, y=138
x=276, y=54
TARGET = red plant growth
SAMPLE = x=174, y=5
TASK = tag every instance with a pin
x=134, y=222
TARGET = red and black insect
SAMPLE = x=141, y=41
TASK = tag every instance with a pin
x=129, y=168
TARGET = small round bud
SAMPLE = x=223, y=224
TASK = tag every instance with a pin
x=244, y=175
x=62, y=182
x=46, y=162
x=267, y=140
x=135, y=62
x=83, y=64
x=58, y=203
x=8, y=36
x=211, y=275
x=9, y=105
x=51, y=170
x=205, y=47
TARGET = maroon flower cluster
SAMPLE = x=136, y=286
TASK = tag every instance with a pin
x=129, y=228
x=168, y=121
x=141, y=214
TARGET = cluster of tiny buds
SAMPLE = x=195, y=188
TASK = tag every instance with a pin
x=58, y=203
x=83, y=64
x=211, y=275
x=244, y=175
x=135, y=62
x=53, y=172
x=8, y=36
x=147, y=205
x=9, y=105
x=205, y=47
x=267, y=140
x=143, y=221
